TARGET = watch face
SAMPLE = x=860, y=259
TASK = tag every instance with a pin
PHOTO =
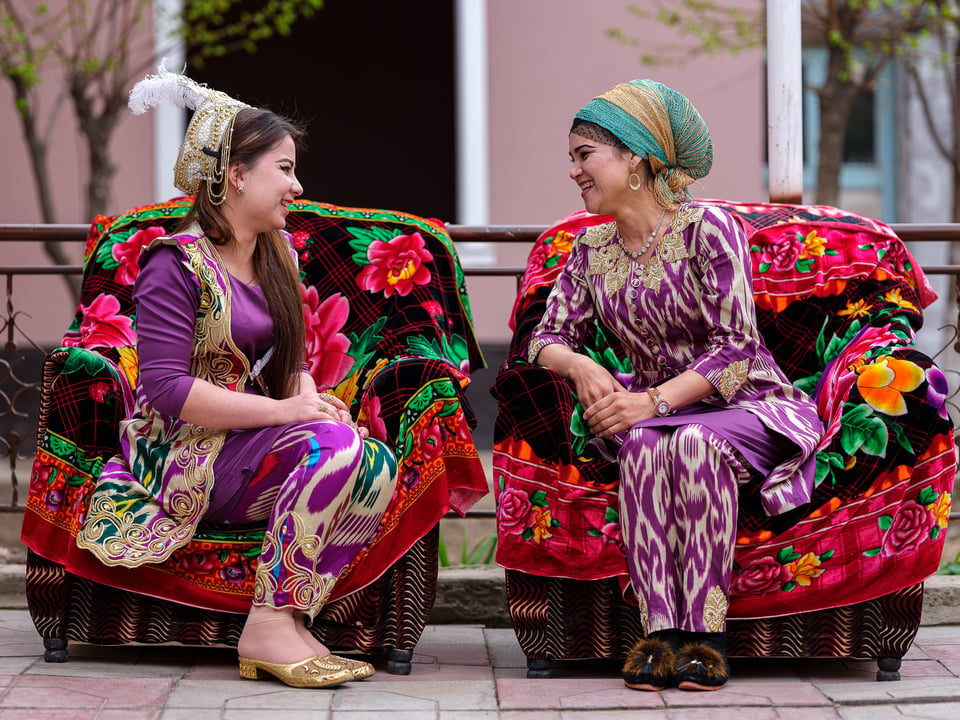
x=662, y=408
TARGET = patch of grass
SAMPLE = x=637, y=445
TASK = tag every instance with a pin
x=482, y=552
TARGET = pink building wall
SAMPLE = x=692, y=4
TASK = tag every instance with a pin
x=547, y=58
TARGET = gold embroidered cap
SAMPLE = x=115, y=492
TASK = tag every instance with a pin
x=205, y=150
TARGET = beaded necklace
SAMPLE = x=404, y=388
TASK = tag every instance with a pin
x=635, y=255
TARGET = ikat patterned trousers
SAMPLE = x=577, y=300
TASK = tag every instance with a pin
x=678, y=512
x=323, y=491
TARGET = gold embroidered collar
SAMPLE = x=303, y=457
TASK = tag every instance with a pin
x=608, y=259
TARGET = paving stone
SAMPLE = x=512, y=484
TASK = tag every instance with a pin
x=417, y=695
x=930, y=711
x=903, y=691
x=748, y=693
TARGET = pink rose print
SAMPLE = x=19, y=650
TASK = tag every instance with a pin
x=431, y=442
x=513, y=511
x=759, y=577
x=370, y=410
x=198, y=563
x=783, y=253
x=396, y=266
x=611, y=533
x=910, y=527
x=102, y=326
x=327, y=347
x=127, y=253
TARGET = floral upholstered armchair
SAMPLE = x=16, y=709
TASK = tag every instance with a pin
x=389, y=331
x=839, y=300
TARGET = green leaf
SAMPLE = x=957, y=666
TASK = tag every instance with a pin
x=527, y=534
x=611, y=516
x=593, y=532
x=872, y=553
x=788, y=586
x=927, y=496
x=885, y=522
x=539, y=498
x=787, y=555
x=861, y=430
x=804, y=265
x=826, y=556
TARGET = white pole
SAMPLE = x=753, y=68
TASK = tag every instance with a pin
x=473, y=163
x=168, y=121
x=784, y=101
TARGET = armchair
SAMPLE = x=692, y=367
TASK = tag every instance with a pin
x=839, y=299
x=388, y=329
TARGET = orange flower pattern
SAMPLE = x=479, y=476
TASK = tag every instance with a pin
x=883, y=383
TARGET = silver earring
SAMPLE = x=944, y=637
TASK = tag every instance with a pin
x=239, y=189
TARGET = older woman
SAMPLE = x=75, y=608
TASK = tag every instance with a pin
x=706, y=408
x=229, y=427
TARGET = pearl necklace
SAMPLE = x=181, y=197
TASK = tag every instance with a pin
x=635, y=255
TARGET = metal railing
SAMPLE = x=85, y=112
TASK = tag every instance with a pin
x=15, y=389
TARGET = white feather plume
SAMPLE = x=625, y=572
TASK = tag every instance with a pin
x=166, y=86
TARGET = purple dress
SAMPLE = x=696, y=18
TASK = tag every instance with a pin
x=689, y=307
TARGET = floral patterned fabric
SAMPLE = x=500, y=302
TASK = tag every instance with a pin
x=839, y=299
x=389, y=331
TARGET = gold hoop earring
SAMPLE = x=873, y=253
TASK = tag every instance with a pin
x=635, y=184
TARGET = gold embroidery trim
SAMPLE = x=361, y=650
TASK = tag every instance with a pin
x=715, y=610
x=732, y=377
x=606, y=257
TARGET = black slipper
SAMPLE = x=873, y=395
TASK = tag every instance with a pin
x=650, y=665
x=702, y=666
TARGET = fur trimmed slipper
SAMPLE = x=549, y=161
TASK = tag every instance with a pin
x=700, y=667
x=650, y=665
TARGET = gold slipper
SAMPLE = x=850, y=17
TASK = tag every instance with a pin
x=313, y=672
x=359, y=668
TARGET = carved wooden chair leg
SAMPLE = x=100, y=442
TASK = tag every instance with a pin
x=539, y=668
x=888, y=669
x=55, y=650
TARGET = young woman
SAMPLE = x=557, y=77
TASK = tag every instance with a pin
x=228, y=425
x=706, y=409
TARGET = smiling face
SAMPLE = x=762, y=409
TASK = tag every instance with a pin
x=269, y=185
x=601, y=172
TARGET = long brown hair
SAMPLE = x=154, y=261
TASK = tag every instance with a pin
x=255, y=131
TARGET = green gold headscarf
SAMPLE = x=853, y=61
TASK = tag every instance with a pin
x=661, y=126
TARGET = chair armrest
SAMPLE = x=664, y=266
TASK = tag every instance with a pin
x=539, y=406
x=82, y=401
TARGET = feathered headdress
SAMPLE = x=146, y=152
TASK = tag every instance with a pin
x=205, y=150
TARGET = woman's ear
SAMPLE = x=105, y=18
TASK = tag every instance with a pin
x=235, y=175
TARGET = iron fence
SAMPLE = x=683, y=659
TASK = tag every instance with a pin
x=20, y=371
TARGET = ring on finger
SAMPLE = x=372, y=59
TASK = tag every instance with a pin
x=328, y=397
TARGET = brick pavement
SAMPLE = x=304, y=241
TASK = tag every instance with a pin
x=460, y=672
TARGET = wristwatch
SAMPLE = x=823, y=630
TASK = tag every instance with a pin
x=660, y=405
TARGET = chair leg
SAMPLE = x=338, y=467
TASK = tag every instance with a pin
x=399, y=662
x=539, y=668
x=888, y=669
x=55, y=650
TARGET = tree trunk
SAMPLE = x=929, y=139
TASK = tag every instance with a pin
x=837, y=98
x=37, y=149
